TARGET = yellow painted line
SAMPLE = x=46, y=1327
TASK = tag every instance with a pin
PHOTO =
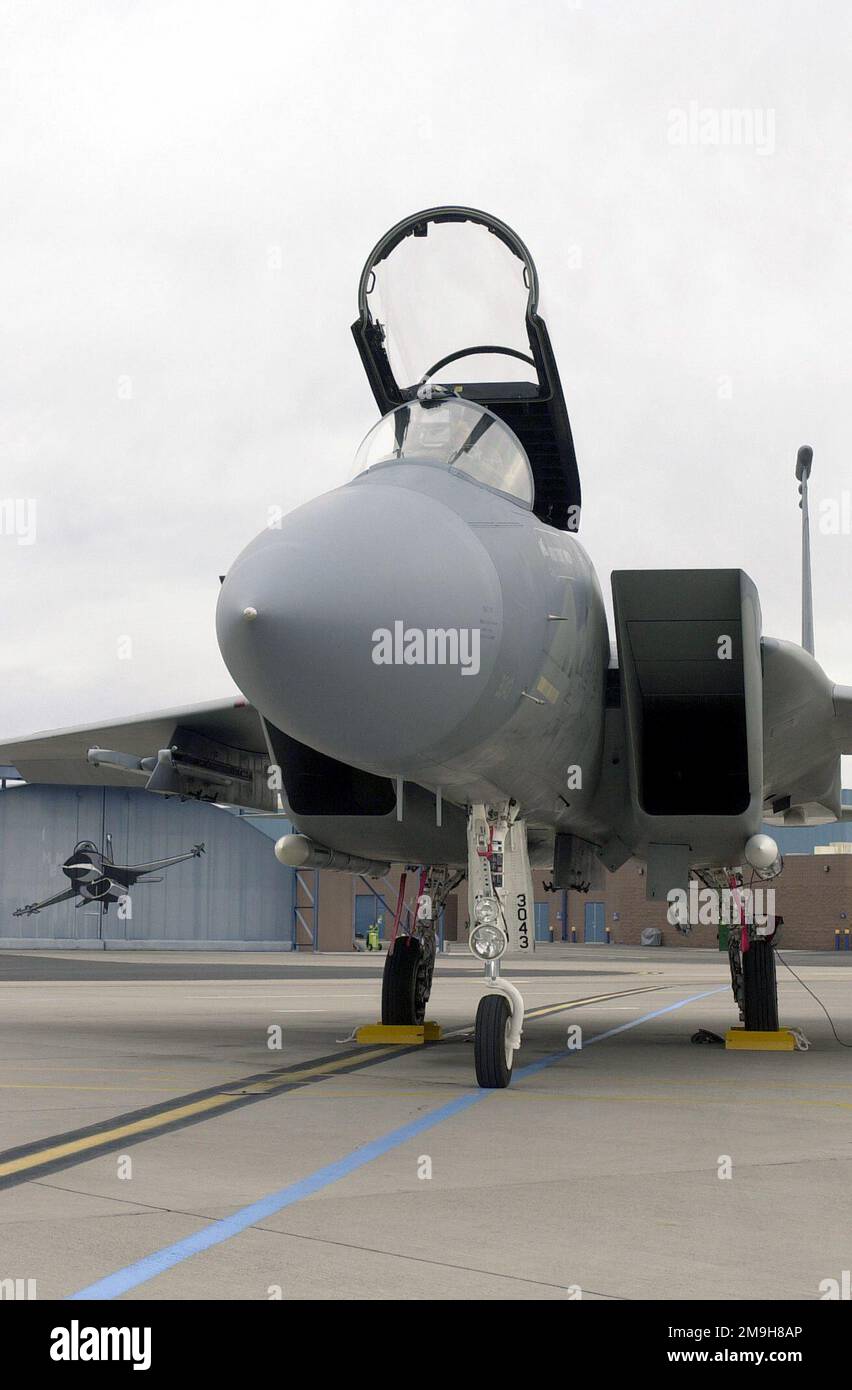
x=279, y=1077
x=106, y=1136
x=178, y=1112
x=104, y=1070
x=518, y=1091
x=69, y=1086
x=224, y=1098
x=544, y=1009
x=448, y=1091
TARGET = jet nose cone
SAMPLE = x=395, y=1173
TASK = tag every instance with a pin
x=366, y=625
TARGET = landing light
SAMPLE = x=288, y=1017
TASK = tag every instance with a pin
x=486, y=911
x=488, y=941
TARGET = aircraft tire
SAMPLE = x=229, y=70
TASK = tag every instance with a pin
x=493, y=1055
x=760, y=990
x=403, y=993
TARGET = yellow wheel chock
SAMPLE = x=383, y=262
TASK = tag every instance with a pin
x=408, y=1034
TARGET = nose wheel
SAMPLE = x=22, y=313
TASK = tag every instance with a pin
x=493, y=1052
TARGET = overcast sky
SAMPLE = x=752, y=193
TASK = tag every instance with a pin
x=189, y=192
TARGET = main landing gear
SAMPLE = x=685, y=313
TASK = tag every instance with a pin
x=407, y=980
x=410, y=963
x=753, y=980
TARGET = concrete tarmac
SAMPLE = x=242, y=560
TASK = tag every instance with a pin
x=201, y=1127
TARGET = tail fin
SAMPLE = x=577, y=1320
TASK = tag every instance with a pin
x=804, y=459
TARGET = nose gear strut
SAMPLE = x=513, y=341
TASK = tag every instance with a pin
x=502, y=923
x=500, y=900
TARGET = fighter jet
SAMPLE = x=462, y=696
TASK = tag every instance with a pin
x=430, y=673
x=96, y=878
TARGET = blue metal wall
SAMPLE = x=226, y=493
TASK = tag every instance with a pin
x=236, y=891
x=803, y=840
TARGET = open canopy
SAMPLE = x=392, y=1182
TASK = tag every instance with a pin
x=449, y=298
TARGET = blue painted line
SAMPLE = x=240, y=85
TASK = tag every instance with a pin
x=123, y=1280
x=219, y=1231
x=611, y=1032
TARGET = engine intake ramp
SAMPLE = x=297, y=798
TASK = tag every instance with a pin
x=689, y=654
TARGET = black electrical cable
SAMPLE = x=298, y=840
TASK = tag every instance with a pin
x=808, y=988
x=813, y=996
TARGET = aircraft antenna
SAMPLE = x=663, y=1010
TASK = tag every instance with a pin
x=804, y=460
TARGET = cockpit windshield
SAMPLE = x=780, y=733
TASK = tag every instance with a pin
x=455, y=434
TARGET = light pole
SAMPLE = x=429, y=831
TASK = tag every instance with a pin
x=804, y=460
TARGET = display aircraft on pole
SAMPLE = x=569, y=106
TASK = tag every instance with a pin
x=96, y=878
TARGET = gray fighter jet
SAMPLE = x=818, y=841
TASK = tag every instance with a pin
x=427, y=659
x=96, y=878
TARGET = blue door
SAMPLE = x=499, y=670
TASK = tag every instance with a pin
x=594, y=922
x=368, y=910
x=542, y=921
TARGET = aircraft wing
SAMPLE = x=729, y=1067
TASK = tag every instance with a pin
x=129, y=874
x=32, y=908
x=213, y=752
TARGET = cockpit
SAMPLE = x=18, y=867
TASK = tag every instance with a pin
x=448, y=300
x=457, y=435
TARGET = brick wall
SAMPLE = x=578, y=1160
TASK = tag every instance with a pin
x=810, y=895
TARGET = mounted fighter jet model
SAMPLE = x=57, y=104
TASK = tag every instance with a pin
x=96, y=878
x=427, y=658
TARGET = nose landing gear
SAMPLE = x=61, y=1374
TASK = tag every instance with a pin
x=501, y=901
x=502, y=923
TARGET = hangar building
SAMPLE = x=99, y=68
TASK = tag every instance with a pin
x=236, y=892
x=237, y=895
